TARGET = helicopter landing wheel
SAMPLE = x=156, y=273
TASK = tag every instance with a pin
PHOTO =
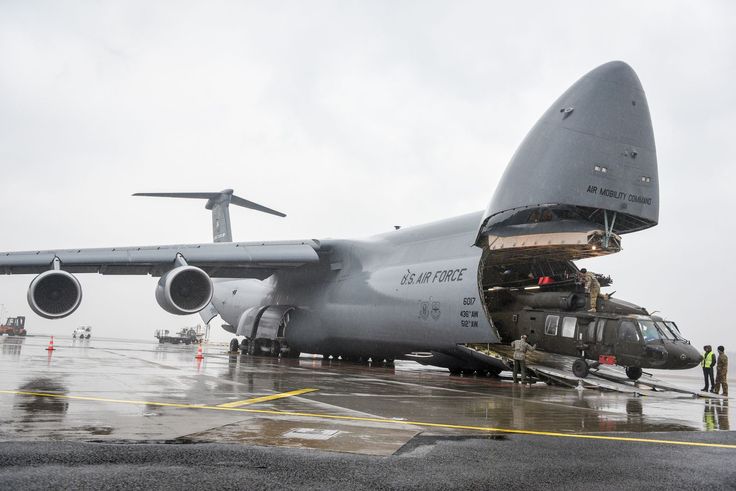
x=633, y=373
x=580, y=368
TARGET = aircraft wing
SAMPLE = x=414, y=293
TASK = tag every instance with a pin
x=219, y=260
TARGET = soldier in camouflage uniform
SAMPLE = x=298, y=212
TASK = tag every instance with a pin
x=592, y=286
x=721, y=372
x=520, y=347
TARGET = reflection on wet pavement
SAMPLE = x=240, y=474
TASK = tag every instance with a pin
x=116, y=390
x=32, y=408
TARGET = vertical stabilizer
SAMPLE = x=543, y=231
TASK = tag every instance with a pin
x=219, y=203
x=220, y=206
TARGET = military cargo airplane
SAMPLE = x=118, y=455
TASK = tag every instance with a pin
x=584, y=175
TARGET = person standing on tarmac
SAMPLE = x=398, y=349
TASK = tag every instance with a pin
x=709, y=359
x=721, y=372
x=520, y=347
x=591, y=286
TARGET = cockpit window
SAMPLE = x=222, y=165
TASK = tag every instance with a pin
x=665, y=331
x=649, y=330
x=673, y=328
x=628, y=332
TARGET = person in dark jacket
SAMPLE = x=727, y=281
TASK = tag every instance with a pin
x=709, y=360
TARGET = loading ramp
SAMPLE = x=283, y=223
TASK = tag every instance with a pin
x=554, y=368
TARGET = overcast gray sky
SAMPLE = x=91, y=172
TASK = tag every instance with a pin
x=350, y=117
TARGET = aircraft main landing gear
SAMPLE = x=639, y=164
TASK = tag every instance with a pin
x=580, y=368
x=234, y=345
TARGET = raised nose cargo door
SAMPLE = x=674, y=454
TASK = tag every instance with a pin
x=584, y=175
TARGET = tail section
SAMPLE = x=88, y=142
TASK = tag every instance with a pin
x=219, y=203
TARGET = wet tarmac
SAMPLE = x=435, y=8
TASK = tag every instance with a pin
x=112, y=391
x=138, y=391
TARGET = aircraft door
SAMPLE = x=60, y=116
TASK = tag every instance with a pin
x=587, y=336
x=628, y=344
x=535, y=326
x=605, y=337
x=594, y=339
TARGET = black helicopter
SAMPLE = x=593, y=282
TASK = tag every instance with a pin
x=554, y=314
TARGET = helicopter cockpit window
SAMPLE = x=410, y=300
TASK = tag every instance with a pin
x=568, y=327
x=550, y=325
x=664, y=331
x=628, y=332
x=649, y=330
x=674, y=329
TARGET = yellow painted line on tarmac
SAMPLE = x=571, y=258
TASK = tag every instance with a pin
x=266, y=398
x=380, y=420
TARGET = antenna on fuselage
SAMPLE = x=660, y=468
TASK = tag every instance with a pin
x=219, y=204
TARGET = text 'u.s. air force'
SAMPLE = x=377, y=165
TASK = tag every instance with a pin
x=439, y=276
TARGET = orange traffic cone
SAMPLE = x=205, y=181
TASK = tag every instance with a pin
x=199, y=355
x=51, y=344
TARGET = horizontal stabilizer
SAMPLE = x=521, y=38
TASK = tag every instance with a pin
x=219, y=203
x=214, y=198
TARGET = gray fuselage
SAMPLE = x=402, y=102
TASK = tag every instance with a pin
x=413, y=289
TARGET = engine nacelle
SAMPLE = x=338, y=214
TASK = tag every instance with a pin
x=54, y=294
x=184, y=290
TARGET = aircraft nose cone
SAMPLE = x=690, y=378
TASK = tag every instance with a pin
x=616, y=72
x=593, y=149
x=689, y=357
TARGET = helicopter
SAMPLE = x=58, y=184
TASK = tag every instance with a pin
x=554, y=312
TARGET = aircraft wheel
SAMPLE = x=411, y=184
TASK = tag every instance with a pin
x=455, y=372
x=275, y=349
x=492, y=372
x=467, y=372
x=234, y=345
x=633, y=373
x=253, y=348
x=580, y=368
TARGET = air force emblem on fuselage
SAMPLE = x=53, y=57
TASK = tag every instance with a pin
x=429, y=308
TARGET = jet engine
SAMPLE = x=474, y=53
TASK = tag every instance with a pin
x=54, y=294
x=184, y=290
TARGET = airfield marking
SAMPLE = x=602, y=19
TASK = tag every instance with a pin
x=266, y=398
x=376, y=420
